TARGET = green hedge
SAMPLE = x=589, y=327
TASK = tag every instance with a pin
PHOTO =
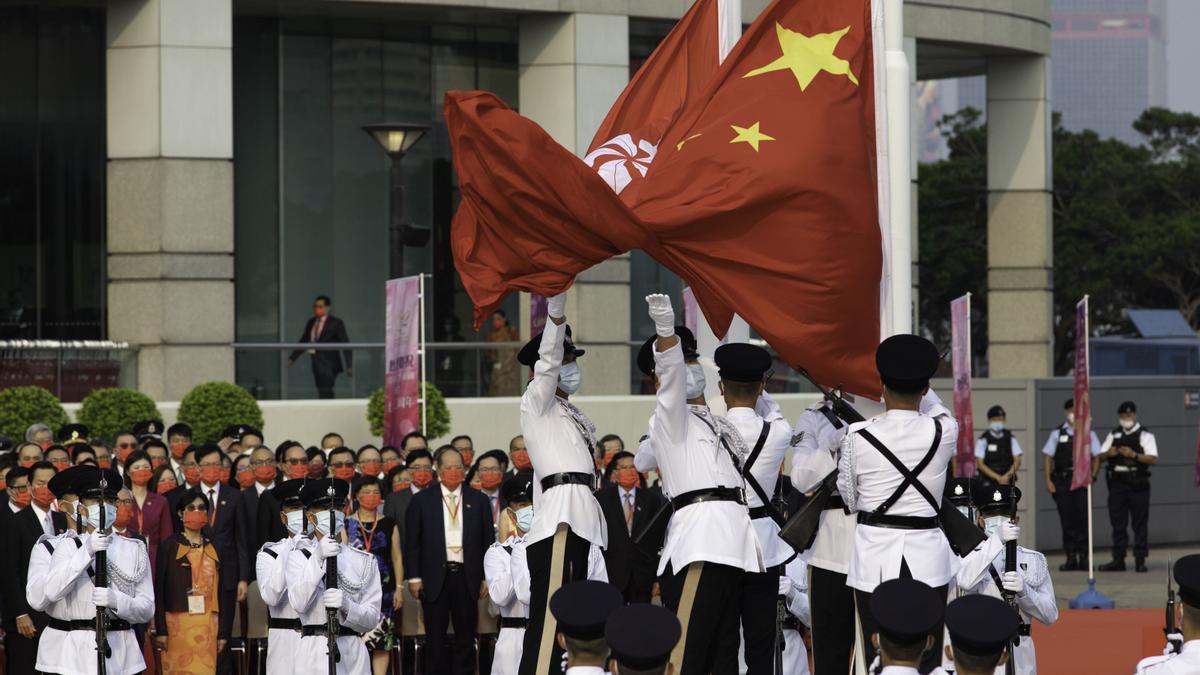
x=437, y=413
x=107, y=411
x=211, y=407
x=22, y=406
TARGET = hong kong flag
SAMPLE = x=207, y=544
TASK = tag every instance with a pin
x=763, y=193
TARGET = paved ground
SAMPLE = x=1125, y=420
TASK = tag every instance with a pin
x=1127, y=589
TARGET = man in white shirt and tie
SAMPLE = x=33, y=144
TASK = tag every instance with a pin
x=491, y=476
x=561, y=444
x=892, y=471
x=634, y=535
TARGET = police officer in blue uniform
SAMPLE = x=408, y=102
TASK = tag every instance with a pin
x=1128, y=452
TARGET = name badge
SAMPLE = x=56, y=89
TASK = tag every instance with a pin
x=312, y=352
x=991, y=447
x=1064, y=438
x=195, y=603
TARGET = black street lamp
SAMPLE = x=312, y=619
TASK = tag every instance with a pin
x=396, y=139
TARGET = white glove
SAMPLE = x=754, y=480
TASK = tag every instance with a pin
x=556, y=306
x=333, y=598
x=1172, y=640
x=98, y=542
x=1009, y=532
x=785, y=587
x=1013, y=583
x=329, y=548
x=662, y=314
x=101, y=597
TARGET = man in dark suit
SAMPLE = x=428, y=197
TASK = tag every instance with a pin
x=449, y=528
x=23, y=626
x=420, y=463
x=628, y=509
x=225, y=529
x=326, y=364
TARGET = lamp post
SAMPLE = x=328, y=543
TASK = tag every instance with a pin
x=396, y=139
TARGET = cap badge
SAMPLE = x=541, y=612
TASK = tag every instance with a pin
x=958, y=489
x=996, y=496
x=74, y=435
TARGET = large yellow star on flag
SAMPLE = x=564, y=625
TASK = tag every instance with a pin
x=807, y=55
x=749, y=135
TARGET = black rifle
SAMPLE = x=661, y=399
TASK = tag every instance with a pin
x=331, y=581
x=841, y=407
x=1010, y=565
x=1169, y=629
x=103, y=651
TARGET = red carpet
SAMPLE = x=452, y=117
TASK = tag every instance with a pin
x=1098, y=642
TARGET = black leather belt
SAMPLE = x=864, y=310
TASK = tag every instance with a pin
x=759, y=512
x=568, y=478
x=1023, y=630
x=790, y=622
x=284, y=624
x=720, y=494
x=88, y=624
x=899, y=522
x=309, y=631
x=453, y=566
x=835, y=502
x=513, y=622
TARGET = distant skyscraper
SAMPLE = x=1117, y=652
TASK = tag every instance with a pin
x=1109, y=63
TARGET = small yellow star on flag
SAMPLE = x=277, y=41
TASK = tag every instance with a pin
x=750, y=135
x=807, y=55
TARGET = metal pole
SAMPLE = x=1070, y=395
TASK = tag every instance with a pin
x=396, y=216
x=1087, y=441
x=899, y=179
x=421, y=352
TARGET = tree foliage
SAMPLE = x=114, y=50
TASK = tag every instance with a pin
x=21, y=407
x=437, y=412
x=211, y=407
x=1126, y=225
x=107, y=411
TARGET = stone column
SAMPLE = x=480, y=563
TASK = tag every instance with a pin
x=1020, y=232
x=170, y=190
x=572, y=68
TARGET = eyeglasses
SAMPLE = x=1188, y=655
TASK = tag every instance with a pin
x=294, y=461
x=489, y=469
x=124, y=502
x=18, y=488
x=262, y=463
x=339, y=465
x=126, y=445
x=205, y=466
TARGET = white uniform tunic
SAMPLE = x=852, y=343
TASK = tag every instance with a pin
x=795, y=655
x=818, y=445
x=556, y=445
x=1036, y=603
x=597, y=571
x=64, y=591
x=1186, y=662
x=866, y=480
x=358, y=577
x=272, y=567
x=765, y=470
x=690, y=457
x=497, y=570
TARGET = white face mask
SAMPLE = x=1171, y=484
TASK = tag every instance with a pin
x=296, y=522
x=569, y=378
x=339, y=519
x=1128, y=424
x=524, y=518
x=993, y=523
x=1071, y=419
x=965, y=510
x=695, y=381
x=91, y=518
x=997, y=427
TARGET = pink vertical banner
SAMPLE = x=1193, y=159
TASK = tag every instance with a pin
x=402, y=382
x=537, y=313
x=1082, y=476
x=691, y=311
x=960, y=360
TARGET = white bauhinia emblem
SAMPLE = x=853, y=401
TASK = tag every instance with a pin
x=615, y=158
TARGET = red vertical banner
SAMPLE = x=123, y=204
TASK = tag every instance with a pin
x=402, y=381
x=960, y=359
x=1083, y=402
x=537, y=313
x=691, y=311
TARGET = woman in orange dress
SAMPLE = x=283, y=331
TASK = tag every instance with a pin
x=189, y=624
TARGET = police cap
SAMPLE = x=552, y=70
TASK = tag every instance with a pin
x=641, y=636
x=529, y=353
x=992, y=498
x=906, y=610
x=581, y=608
x=1187, y=575
x=645, y=356
x=1127, y=407
x=73, y=433
x=315, y=493
x=742, y=362
x=980, y=625
x=148, y=429
x=996, y=411
x=518, y=488
x=906, y=362
x=287, y=493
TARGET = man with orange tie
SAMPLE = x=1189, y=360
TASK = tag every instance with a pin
x=326, y=364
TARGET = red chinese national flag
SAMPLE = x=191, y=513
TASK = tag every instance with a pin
x=763, y=196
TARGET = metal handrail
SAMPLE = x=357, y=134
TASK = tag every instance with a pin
x=63, y=345
x=343, y=346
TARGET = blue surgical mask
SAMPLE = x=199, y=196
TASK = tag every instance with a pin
x=524, y=518
x=997, y=426
x=569, y=378
x=993, y=523
x=92, y=517
x=296, y=522
x=695, y=381
x=339, y=520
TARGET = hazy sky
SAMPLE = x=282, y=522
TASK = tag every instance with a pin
x=1183, y=53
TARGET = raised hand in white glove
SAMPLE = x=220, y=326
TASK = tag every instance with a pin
x=333, y=598
x=785, y=587
x=101, y=597
x=98, y=542
x=556, y=306
x=329, y=548
x=1013, y=583
x=661, y=313
x=1009, y=532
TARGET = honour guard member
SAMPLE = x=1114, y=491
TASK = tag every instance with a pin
x=793, y=588
x=640, y=639
x=1187, y=660
x=515, y=521
x=997, y=453
x=356, y=599
x=62, y=486
x=892, y=471
x=1058, y=463
x=271, y=565
x=980, y=627
x=983, y=572
x=1129, y=451
x=710, y=542
x=908, y=624
x=561, y=444
x=581, y=610
x=67, y=592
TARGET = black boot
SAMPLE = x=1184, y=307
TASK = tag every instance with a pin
x=1117, y=565
x=1140, y=565
x=1070, y=565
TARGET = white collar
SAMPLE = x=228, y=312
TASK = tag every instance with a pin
x=38, y=511
x=13, y=507
x=631, y=491
x=898, y=670
x=457, y=492
x=261, y=488
x=215, y=488
x=1135, y=427
x=586, y=670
